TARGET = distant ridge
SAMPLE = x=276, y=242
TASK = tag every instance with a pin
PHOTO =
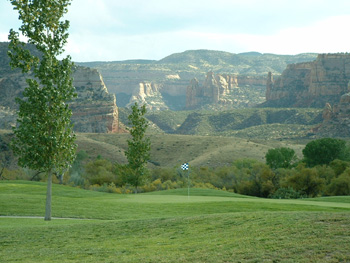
x=129, y=61
x=200, y=57
x=196, y=56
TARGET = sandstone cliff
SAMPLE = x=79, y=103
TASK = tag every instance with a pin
x=336, y=119
x=148, y=93
x=175, y=72
x=94, y=109
x=310, y=83
x=225, y=90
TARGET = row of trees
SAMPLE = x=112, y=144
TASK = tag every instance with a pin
x=282, y=176
x=317, y=152
x=245, y=176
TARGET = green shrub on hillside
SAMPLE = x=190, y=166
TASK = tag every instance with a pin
x=282, y=157
x=307, y=181
x=340, y=185
x=287, y=193
x=260, y=181
x=100, y=172
x=324, y=151
x=339, y=166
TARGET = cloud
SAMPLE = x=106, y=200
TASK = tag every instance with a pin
x=153, y=29
x=3, y=37
x=325, y=36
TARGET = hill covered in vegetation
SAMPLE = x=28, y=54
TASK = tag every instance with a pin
x=258, y=123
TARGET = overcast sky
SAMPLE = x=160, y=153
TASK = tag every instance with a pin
x=109, y=30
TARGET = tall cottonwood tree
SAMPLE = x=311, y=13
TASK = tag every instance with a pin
x=44, y=138
x=139, y=146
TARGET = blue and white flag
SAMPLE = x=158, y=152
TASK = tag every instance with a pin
x=184, y=166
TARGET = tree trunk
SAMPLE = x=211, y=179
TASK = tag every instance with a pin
x=2, y=170
x=61, y=178
x=48, y=197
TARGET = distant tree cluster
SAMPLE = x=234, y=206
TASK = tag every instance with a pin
x=282, y=176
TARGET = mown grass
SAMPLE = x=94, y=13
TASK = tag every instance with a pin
x=209, y=226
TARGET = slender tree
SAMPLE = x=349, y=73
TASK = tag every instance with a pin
x=139, y=146
x=44, y=138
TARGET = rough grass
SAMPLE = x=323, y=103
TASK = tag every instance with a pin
x=169, y=150
x=209, y=226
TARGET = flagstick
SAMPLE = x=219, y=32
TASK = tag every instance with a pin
x=184, y=167
x=188, y=184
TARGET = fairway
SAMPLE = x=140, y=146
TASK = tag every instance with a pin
x=169, y=226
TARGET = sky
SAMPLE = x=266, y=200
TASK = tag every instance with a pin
x=113, y=30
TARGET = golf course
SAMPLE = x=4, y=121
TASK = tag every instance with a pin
x=169, y=226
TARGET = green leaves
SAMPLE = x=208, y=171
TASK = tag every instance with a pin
x=44, y=137
x=139, y=147
x=282, y=157
x=41, y=23
x=325, y=150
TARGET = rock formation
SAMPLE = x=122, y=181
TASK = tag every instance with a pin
x=194, y=91
x=310, y=83
x=336, y=119
x=213, y=90
x=176, y=71
x=327, y=113
x=94, y=109
x=223, y=90
x=148, y=93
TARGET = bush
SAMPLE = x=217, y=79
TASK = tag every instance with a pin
x=307, y=182
x=76, y=179
x=325, y=172
x=280, y=157
x=340, y=185
x=99, y=172
x=249, y=188
x=158, y=185
x=164, y=174
x=287, y=193
x=227, y=176
x=17, y=174
x=339, y=166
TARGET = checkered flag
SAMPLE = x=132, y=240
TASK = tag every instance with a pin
x=184, y=166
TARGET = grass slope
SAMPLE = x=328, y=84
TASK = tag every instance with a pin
x=169, y=150
x=210, y=226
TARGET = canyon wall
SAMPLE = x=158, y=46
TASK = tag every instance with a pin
x=310, y=84
x=148, y=93
x=94, y=109
x=174, y=73
x=225, y=90
x=336, y=119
